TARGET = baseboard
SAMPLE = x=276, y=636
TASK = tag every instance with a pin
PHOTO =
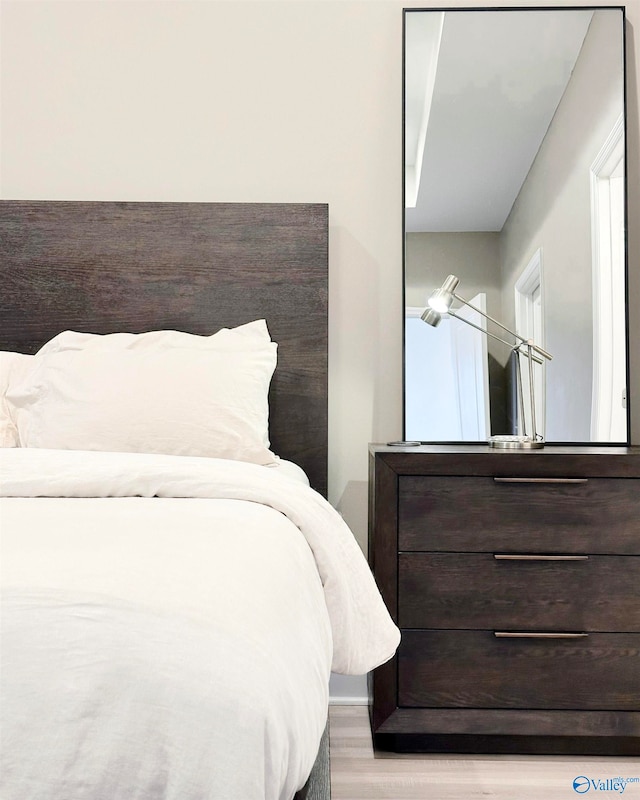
x=343, y=700
x=348, y=690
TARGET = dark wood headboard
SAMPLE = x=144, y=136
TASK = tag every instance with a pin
x=105, y=267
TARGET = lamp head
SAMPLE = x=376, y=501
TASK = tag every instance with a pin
x=441, y=300
x=431, y=317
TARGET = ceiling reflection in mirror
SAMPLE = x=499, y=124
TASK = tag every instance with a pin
x=514, y=182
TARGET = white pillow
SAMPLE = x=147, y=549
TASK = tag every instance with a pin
x=13, y=366
x=251, y=333
x=178, y=400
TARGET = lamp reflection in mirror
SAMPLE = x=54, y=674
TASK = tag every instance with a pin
x=440, y=303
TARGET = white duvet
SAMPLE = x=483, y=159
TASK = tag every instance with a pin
x=169, y=626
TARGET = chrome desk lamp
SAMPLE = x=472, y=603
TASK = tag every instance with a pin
x=439, y=304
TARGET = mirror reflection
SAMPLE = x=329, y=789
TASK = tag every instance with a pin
x=515, y=183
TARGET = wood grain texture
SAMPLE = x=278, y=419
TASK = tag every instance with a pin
x=473, y=669
x=471, y=513
x=382, y=549
x=438, y=519
x=359, y=773
x=516, y=722
x=476, y=591
x=570, y=461
x=104, y=267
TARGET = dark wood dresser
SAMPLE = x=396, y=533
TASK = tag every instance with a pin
x=515, y=580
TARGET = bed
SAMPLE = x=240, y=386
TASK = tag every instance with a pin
x=176, y=589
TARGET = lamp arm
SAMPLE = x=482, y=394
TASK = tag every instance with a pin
x=493, y=335
x=538, y=349
x=517, y=336
x=489, y=317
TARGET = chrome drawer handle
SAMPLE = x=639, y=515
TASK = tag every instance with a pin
x=519, y=635
x=541, y=480
x=509, y=557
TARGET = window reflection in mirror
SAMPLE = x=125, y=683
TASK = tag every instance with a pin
x=515, y=183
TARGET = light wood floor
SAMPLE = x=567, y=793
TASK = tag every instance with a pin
x=357, y=775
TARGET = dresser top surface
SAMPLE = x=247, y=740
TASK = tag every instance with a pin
x=483, y=449
x=480, y=459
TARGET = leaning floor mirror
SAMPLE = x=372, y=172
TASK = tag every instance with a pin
x=515, y=183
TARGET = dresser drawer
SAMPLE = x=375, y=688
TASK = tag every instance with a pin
x=506, y=590
x=453, y=513
x=474, y=669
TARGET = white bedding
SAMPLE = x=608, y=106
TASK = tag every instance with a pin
x=169, y=625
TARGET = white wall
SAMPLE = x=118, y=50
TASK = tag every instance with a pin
x=249, y=101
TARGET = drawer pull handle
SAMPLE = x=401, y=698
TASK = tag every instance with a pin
x=541, y=480
x=510, y=557
x=519, y=635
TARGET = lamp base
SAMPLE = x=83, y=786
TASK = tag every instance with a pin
x=506, y=442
